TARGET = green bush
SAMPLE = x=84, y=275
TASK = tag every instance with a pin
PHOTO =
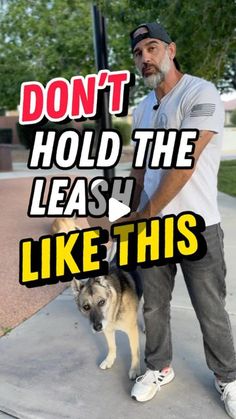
x=26, y=133
x=89, y=125
x=227, y=176
x=233, y=118
x=124, y=129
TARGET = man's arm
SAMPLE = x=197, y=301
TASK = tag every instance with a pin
x=173, y=181
x=171, y=184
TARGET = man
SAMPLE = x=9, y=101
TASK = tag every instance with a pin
x=180, y=101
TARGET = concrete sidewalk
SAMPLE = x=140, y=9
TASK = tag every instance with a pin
x=49, y=364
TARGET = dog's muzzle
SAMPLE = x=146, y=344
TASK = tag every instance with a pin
x=97, y=327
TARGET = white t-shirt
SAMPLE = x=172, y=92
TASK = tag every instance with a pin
x=193, y=103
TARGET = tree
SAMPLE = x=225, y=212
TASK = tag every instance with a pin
x=40, y=40
x=204, y=31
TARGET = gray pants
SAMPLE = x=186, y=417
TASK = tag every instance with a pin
x=205, y=280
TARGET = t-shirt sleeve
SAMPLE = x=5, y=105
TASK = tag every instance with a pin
x=203, y=109
x=134, y=125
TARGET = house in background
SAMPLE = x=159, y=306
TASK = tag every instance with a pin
x=230, y=106
x=8, y=131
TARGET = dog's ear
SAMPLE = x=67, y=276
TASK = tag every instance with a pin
x=102, y=280
x=77, y=286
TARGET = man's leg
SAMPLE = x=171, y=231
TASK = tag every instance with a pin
x=158, y=284
x=205, y=280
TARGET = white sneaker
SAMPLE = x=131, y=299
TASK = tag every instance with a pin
x=228, y=395
x=147, y=385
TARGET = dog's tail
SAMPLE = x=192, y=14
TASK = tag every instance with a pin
x=64, y=225
x=111, y=252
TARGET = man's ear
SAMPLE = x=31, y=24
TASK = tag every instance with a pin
x=172, y=50
x=77, y=286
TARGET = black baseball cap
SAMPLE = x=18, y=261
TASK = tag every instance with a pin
x=154, y=30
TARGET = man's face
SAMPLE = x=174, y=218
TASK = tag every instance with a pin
x=151, y=59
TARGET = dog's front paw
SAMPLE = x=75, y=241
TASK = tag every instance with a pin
x=134, y=373
x=107, y=363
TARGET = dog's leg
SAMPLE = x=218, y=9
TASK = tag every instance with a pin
x=135, y=355
x=111, y=356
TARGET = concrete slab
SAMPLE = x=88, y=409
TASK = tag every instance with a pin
x=49, y=369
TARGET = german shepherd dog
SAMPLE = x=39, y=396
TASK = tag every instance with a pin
x=110, y=303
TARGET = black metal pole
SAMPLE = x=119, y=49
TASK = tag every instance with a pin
x=100, y=49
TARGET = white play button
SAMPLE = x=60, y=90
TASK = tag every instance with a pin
x=117, y=209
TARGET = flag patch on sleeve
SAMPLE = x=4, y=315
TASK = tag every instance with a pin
x=203, y=109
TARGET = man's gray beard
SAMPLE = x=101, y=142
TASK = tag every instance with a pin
x=154, y=80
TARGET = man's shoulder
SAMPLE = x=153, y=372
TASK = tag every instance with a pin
x=198, y=84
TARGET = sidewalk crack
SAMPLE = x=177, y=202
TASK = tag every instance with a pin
x=7, y=414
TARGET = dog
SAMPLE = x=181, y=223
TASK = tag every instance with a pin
x=111, y=303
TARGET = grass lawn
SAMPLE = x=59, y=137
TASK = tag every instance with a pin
x=227, y=177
